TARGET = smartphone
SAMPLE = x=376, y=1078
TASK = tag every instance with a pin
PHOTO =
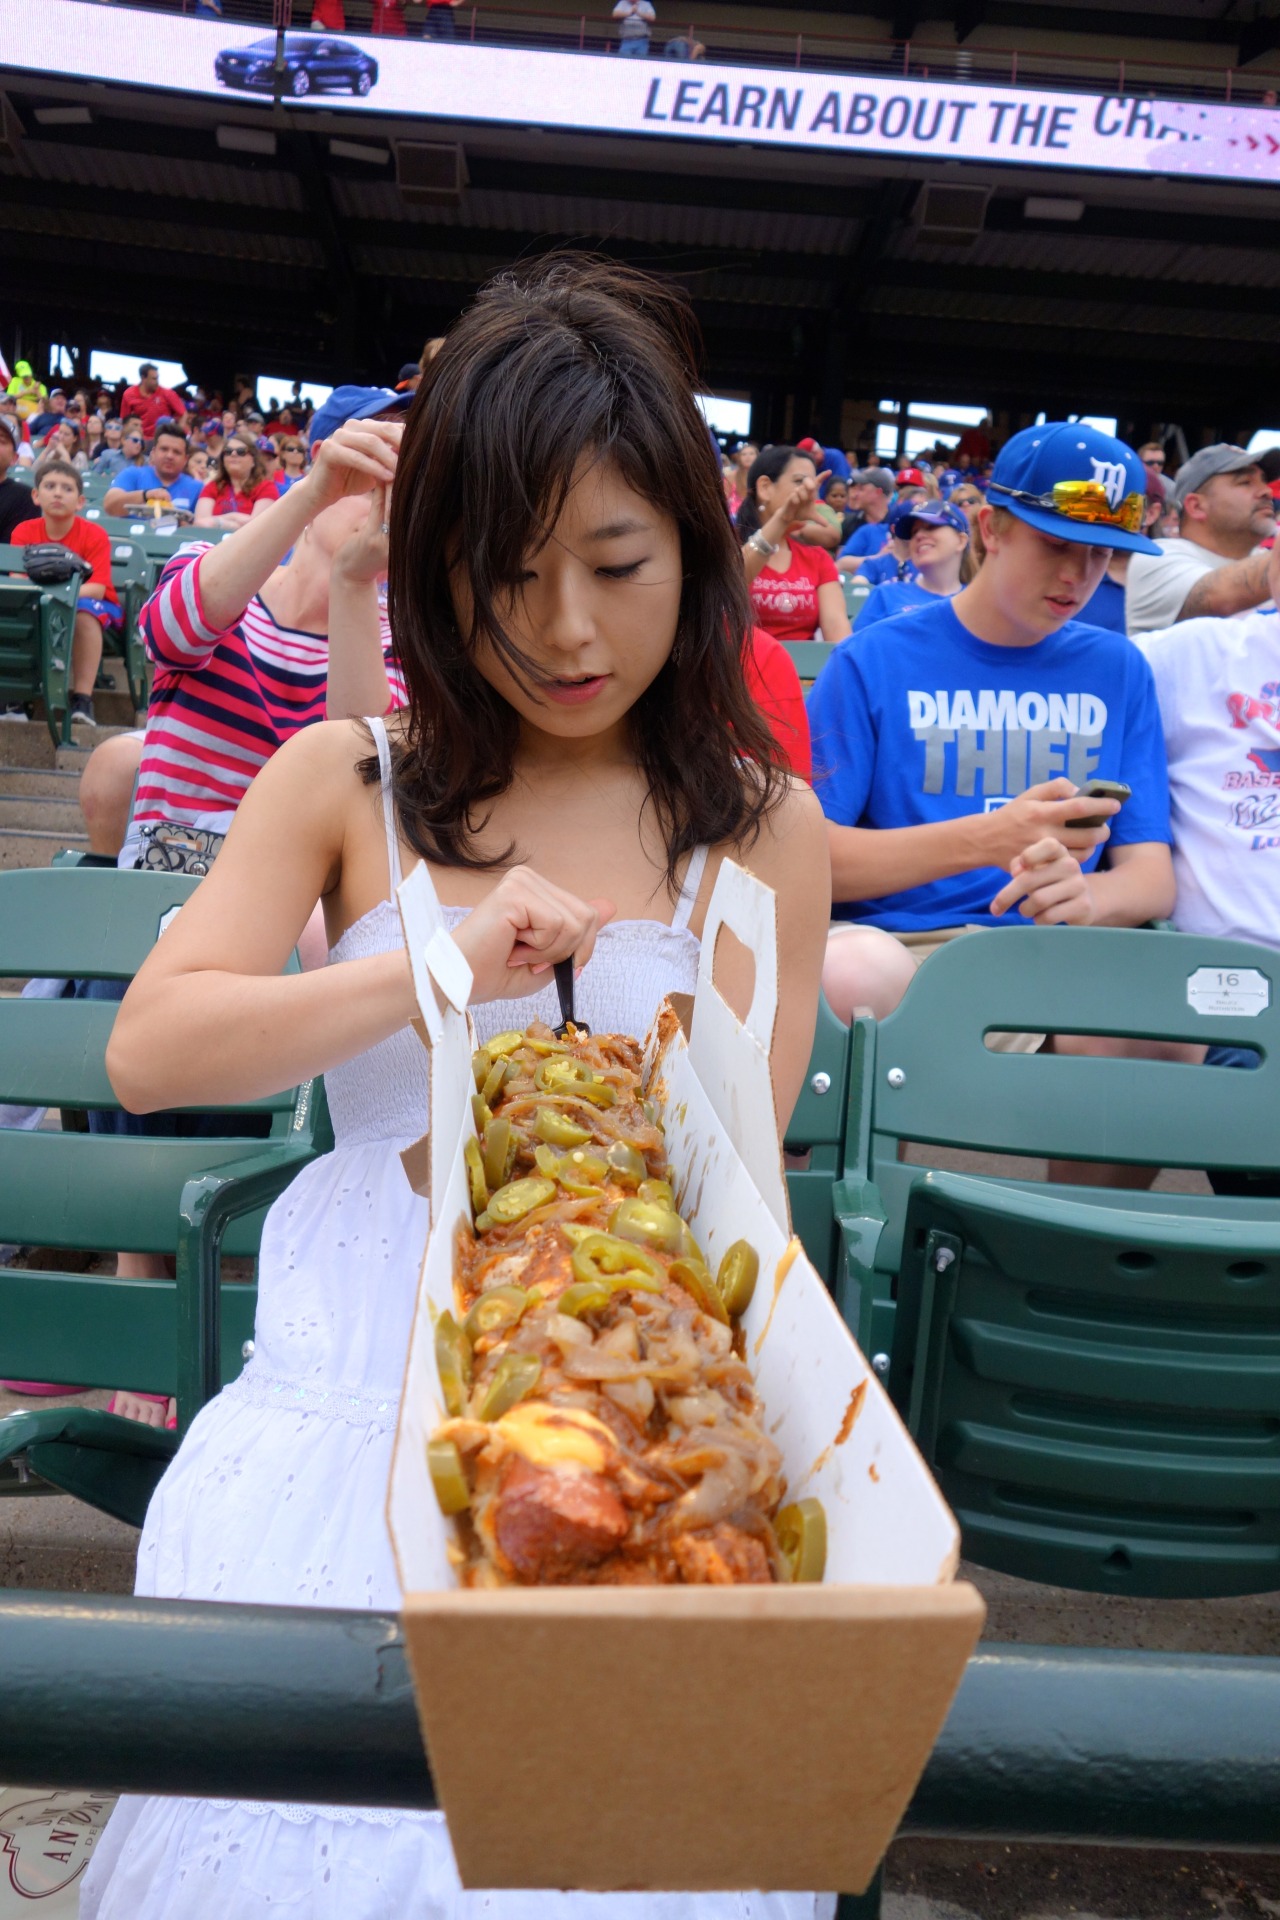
x=1102, y=790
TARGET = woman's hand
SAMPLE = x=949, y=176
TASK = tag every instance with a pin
x=512, y=939
x=361, y=455
x=363, y=557
x=796, y=507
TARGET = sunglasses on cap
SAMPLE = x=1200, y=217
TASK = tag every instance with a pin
x=1085, y=501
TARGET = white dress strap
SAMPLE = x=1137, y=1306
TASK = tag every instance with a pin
x=378, y=729
x=689, y=890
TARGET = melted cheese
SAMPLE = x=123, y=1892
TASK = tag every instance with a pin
x=556, y=1437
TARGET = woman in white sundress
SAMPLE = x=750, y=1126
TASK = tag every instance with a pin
x=578, y=755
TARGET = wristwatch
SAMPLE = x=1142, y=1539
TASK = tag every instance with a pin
x=760, y=545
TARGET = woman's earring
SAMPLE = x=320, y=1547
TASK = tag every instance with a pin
x=677, y=651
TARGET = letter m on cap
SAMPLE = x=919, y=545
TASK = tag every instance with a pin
x=1110, y=476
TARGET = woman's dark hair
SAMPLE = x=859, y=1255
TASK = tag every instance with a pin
x=218, y=473
x=569, y=359
x=769, y=465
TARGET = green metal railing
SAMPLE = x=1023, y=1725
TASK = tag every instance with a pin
x=314, y=1705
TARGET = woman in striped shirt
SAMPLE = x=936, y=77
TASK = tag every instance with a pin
x=240, y=642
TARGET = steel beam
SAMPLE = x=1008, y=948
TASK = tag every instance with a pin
x=310, y=1705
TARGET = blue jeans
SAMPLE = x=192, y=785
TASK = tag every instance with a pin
x=637, y=48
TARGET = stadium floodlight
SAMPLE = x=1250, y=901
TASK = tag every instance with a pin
x=246, y=140
x=62, y=116
x=1042, y=207
x=355, y=150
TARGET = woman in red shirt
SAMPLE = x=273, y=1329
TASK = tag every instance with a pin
x=795, y=589
x=239, y=487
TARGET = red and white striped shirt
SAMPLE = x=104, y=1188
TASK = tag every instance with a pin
x=223, y=700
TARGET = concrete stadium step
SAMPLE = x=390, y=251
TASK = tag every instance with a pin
x=27, y=744
x=25, y=847
x=50, y=783
x=41, y=812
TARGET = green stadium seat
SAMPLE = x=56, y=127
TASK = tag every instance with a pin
x=36, y=628
x=159, y=544
x=132, y=577
x=1093, y=1375
x=856, y=593
x=808, y=657
x=817, y=1131
x=193, y=1198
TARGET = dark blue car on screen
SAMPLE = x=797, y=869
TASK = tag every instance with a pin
x=313, y=63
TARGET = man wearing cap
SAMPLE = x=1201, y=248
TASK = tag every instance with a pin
x=870, y=491
x=149, y=402
x=1224, y=509
x=951, y=742
x=27, y=391
x=52, y=415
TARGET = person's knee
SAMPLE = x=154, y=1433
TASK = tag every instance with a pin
x=866, y=971
x=106, y=791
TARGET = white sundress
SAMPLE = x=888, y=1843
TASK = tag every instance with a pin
x=277, y=1494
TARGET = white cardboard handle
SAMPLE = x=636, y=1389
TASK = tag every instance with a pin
x=731, y=1056
x=749, y=909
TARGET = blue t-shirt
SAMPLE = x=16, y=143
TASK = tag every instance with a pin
x=892, y=597
x=184, y=491
x=1106, y=607
x=918, y=721
x=885, y=566
x=866, y=539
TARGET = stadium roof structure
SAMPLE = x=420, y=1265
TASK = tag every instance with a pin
x=821, y=274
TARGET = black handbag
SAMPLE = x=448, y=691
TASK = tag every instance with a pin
x=48, y=564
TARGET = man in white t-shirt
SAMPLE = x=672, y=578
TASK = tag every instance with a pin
x=1224, y=509
x=1218, y=685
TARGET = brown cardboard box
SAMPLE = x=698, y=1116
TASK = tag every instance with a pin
x=680, y=1737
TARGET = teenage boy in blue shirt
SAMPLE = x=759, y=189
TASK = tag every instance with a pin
x=949, y=743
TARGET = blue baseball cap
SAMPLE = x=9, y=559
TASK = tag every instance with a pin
x=1039, y=458
x=925, y=513
x=354, y=403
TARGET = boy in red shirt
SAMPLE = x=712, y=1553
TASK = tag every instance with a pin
x=59, y=494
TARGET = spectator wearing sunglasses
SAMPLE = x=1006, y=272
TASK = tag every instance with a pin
x=952, y=740
x=936, y=537
x=1216, y=564
x=238, y=485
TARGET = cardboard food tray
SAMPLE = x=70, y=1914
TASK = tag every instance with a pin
x=684, y=1738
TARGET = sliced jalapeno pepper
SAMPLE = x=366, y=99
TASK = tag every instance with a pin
x=581, y=1173
x=584, y=1296
x=627, y=1164
x=481, y=1066
x=689, y=1248
x=600, y=1258
x=658, y=1192
x=802, y=1536
x=480, y=1113
x=448, y=1476
x=498, y=1308
x=649, y=1108
x=547, y=1161
x=575, y=1232
x=453, y=1363
x=558, y=1130
x=518, y=1197
x=475, y=1176
x=499, y=1073
x=483, y=1222
x=497, y=1143
x=737, y=1276
x=647, y=1225
x=568, y=1076
x=504, y=1044
x=695, y=1280
x=514, y=1378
